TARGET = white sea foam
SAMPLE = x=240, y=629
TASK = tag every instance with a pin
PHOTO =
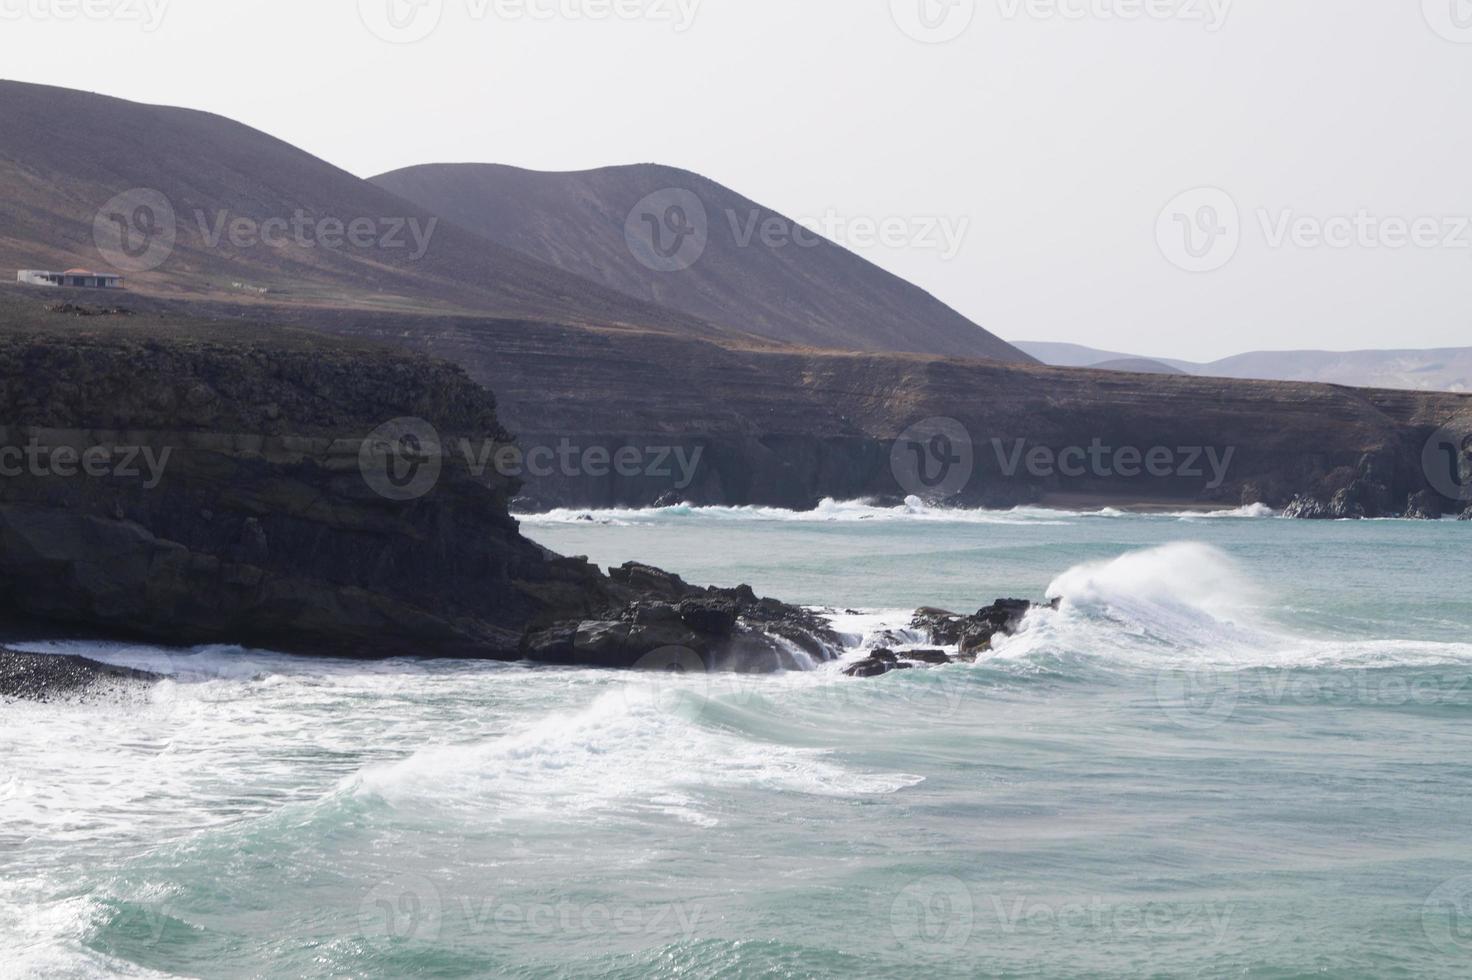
x=1190, y=604
x=851, y=511
x=827, y=512
x=639, y=748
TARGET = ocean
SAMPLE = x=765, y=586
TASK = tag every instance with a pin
x=1241, y=747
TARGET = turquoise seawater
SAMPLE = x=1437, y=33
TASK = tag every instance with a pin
x=1241, y=748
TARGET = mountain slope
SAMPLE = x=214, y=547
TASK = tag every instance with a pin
x=1077, y=355
x=1137, y=365
x=216, y=178
x=1444, y=369
x=731, y=262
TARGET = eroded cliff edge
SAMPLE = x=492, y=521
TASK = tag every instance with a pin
x=187, y=491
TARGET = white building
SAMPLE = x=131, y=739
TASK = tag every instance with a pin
x=78, y=278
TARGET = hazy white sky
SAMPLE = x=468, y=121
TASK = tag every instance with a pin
x=1041, y=170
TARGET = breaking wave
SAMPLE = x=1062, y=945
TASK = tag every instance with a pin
x=835, y=511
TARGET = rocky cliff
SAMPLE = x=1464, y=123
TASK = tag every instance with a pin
x=211, y=489
x=789, y=428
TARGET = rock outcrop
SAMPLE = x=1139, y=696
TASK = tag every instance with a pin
x=969, y=635
x=36, y=677
x=1308, y=509
x=665, y=623
x=1425, y=505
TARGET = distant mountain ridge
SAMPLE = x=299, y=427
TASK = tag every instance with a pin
x=740, y=265
x=1436, y=369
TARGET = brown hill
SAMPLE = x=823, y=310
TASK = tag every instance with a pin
x=727, y=259
x=255, y=220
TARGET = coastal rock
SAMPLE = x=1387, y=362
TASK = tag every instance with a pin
x=271, y=519
x=975, y=633
x=1425, y=505
x=969, y=634
x=877, y=664
x=657, y=616
x=1348, y=505
x=1466, y=514
x=884, y=660
x=1361, y=492
x=1308, y=509
x=37, y=677
x=935, y=658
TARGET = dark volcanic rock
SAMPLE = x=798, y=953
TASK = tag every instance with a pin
x=1308, y=509
x=36, y=677
x=969, y=634
x=260, y=519
x=972, y=634
x=935, y=658
x=271, y=519
x=1424, y=505
x=657, y=618
x=877, y=664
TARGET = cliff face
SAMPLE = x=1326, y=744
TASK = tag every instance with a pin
x=195, y=492
x=198, y=483
x=783, y=428
x=710, y=424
